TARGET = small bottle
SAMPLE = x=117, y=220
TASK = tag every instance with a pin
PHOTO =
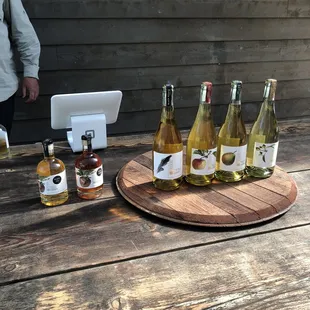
x=167, y=147
x=52, y=177
x=201, y=142
x=88, y=171
x=4, y=143
x=232, y=144
x=264, y=136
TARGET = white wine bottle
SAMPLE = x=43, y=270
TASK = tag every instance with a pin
x=232, y=144
x=167, y=147
x=201, y=142
x=264, y=136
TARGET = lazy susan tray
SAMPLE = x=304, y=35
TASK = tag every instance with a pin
x=220, y=204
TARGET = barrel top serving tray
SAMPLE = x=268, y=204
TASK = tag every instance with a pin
x=219, y=204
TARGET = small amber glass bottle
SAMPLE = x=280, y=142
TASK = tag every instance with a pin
x=88, y=171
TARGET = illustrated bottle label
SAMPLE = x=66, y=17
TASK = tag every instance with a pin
x=168, y=166
x=203, y=161
x=54, y=184
x=265, y=154
x=233, y=158
x=89, y=178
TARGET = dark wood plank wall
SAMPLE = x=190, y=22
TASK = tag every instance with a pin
x=137, y=45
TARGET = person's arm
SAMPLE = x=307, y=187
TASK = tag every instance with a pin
x=24, y=37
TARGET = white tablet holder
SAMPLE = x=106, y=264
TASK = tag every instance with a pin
x=94, y=125
x=86, y=114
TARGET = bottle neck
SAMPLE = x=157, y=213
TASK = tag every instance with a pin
x=235, y=93
x=205, y=93
x=48, y=151
x=269, y=98
x=87, y=146
x=168, y=106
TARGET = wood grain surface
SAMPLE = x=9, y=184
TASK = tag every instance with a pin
x=107, y=254
x=219, y=205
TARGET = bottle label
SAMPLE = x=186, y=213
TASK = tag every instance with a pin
x=203, y=161
x=54, y=184
x=265, y=154
x=89, y=178
x=168, y=166
x=233, y=158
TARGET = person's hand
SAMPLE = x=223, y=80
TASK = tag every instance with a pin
x=30, y=88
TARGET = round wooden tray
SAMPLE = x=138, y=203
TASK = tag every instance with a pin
x=219, y=204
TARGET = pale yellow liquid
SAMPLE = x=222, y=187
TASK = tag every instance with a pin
x=46, y=168
x=167, y=140
x=4, y=151
x=202, y=137
x=264, y=130
x=232, y=133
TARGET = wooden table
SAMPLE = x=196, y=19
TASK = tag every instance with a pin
x=106, y=254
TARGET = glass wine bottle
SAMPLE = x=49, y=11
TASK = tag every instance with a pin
x=52, y=177
x=232, y=144
x=88, y=171
x=201, y=142
x=167, y=147
x=4, y=143
x=264, y=136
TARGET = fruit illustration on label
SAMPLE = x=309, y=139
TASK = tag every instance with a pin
x=263, y=150
x=200, y=163
x=228, y=158
x=85, y=180
x=41, y=187
x=41, y=184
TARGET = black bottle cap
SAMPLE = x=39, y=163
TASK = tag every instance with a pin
x=45, y=144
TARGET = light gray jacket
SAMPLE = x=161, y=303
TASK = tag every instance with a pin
x=16, y=30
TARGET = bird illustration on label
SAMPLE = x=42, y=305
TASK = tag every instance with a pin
x=163, y=163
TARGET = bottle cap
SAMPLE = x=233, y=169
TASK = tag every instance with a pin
x=48, y=147
x=236, y=89
x=206, y=91
x=270, y=89
x=168, y=94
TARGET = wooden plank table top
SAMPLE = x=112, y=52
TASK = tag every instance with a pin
x=107, y=254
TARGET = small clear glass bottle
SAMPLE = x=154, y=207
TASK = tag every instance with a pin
x=88, y=171
x=4, y=143
x=52, y=178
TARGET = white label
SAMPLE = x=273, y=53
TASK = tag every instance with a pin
x=233, y=158
x=265, y=154
x=89, y=178
x=54, y=184
x=168, y=166
x=203, y=161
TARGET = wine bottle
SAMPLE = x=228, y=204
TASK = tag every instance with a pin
x=4, y=143
x=264, y=136
x=52, y=177
x=232, y=144
x=167, y=154
x=88, y=171
x=201, y=142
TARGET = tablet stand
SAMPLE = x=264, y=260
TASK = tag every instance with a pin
x=94, y=125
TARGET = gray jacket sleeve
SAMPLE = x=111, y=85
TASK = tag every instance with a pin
x=23, y=36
